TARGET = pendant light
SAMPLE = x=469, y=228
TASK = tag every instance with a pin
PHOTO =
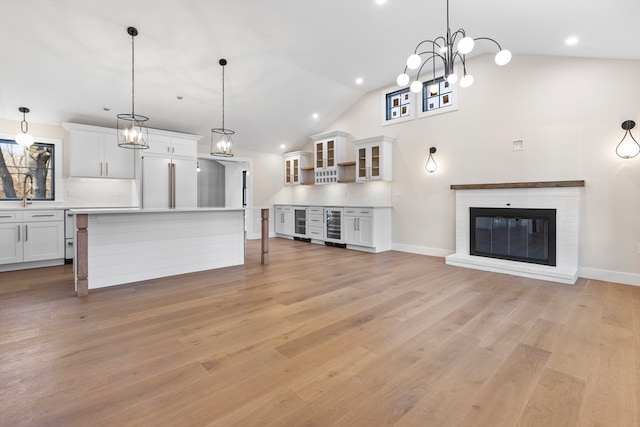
x=446, y=49
x=132, y=130
x=628, y=147
x=24, y=138
x=221, y=143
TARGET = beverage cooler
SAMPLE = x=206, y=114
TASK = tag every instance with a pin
x=333, y=225
x=300, y=222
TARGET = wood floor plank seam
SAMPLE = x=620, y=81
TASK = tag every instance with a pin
x=321, y=337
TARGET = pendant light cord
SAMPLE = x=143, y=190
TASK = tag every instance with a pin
x=133, y=77
x=223, y=97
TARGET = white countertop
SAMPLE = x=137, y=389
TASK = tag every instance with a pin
x=334, y=206
x=138, y=210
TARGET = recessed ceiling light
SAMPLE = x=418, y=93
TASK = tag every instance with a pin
x=380, y=2
x=179, y=96
x=571, y=41
x=315, y=116
x=359, y=81
x=106, y=108
x=282, y=146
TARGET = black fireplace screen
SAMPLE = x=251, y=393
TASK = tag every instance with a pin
x=527, y=235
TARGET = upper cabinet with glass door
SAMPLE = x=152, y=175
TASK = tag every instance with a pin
x=331, y=151
x=373, y=158
x=298, y=168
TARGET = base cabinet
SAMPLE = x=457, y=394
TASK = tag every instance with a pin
x=366, y=229
x=315, y=228
x=358, y=226
x=31, y=236
x=284, y=220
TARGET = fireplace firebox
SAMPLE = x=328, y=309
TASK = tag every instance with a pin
x=526, y=235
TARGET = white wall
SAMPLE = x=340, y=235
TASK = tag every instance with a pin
x=567, y=110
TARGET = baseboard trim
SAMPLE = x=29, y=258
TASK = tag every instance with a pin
x=421, y=250
x=609, y=276
x=632, y=279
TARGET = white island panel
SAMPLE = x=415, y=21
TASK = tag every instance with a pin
x=133, y=245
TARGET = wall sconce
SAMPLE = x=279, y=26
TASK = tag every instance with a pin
x=24, y=138
x=431, y=165
x=628, y=147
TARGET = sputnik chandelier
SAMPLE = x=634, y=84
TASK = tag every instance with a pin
x=443, y=48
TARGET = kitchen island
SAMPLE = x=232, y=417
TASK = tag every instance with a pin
x=117, y=246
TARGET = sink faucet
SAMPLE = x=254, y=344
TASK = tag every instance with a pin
x=25, y=199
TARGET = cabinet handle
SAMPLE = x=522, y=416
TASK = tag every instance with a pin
x=5, y=216
x=42, y=215
x=173, y=178
x=100, y=168
x=18, y=232
x=107, y=169
x=26, y=233
x=170, y=184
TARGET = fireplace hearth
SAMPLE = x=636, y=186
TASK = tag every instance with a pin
x=526, y=235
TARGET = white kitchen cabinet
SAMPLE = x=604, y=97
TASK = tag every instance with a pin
x=94, y=153
x=365, y=229
x=11, y=243
x=284, y=220
x=169, y=182
x=169, y=170
x=358, y=224
x=30, y=236
x=172, y=145
x=331, y=154
x=298, y=168
x=315, y=224
x=373, y=158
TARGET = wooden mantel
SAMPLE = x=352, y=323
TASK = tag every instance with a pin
x=534, y=184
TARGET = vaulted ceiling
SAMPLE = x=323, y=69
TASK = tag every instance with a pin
x=287, y=59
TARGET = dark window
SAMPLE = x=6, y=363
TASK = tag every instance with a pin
x=33, y=166
x=398, y=104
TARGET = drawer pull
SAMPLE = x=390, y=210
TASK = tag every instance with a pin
x=42, y=215
x=6, y=216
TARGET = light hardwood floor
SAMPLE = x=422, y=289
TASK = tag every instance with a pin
x=320, y=337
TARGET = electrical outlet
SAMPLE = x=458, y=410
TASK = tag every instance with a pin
x=517, y=145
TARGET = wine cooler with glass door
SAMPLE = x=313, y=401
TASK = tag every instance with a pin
x=333, y=227
x=300, y=223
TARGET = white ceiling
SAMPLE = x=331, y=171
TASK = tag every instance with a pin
x=67, y=60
